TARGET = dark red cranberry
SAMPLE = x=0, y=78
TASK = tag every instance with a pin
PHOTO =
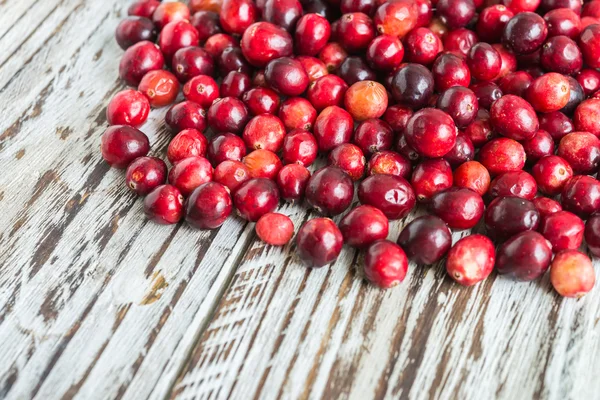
x=286, y=76
x=422, y=46
x=385, y=264
x=231, y=174
x=186, y=115
x=372, y=136
x=284, y=13
x=424, y=12
x=255, y=198
x=121, y=144
x=557, y=124
x=143, y=8
x=450, y=70
x=589, y=40
x=491, y=22
x=561, y=54
x=460, y=41
x=509, y=61
x=389, y=163
x=472, y=175
x=385, y=53
x=312, y=33
x=232, y=59
x=563, y=229
x=581, y=150
x=574, y=5
x=319, y=242
x=462, y=151
x=502, y=155
x=228, y=115
x=216, y=44
x=413, y=86
x=460, y=208
x=397, y=117
x=525, y=33
x=363, y=226
x=275, y=229
x=190, y=173
x=235, y=84
x=455, y=13
x=576, y=96
x=516, y=183
x=327, y=91
x=264, y=131
x=333, y=127
x=587, y=115
x=426, y=239
x=206, y=24
x=134, y=29
x=226, y=146
x=563, y=21
x=128, y=107
x=292, y=180
x=263, y=42
x=164, y=205
x=508, y=216
x=190, y=62
x=299, y=147
x=391, y=194
x=546, y=206
x=515, y=118
x=589, y=80
x=431, y=132
x=591, y=9
x=237, y=15
x=515, y=83
x=525, y=257
x=581, y=196
x=484, y=62
x=187, y=143
x=177, y=35
x=169, y=12
x=431, y=177
x=138, y=60
x=364, y=6
x=208, y=207
x=480, y=131
x=460, y=103
x=145, y=173
x=202, y=90
x=355, y=31
x=592, y=234
x=332, y=54
x=261, y=100
x=353, y=69
x=572, y=274
x=539, y=146
x=330, y=190
x=471, y=260
x=263, y=164
x=297, y=113
x=405, y=150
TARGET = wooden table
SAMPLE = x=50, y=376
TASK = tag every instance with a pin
x=97, y=302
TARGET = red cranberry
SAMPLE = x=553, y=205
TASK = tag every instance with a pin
x=424, y=12
x=589, y=79
x=160, y=87
x=228, y=115
x=128, y=107
x=551, y=174
x=299, y=147
x=422, y=46
x=201, y=89
x=186, y=115
x=138, y=60
x=175, y=36
x=471, y=260
x=516, y=183
x=431, y=132
x=509, y=61
x=460, y=103
x=263, y=42
x=363, y=226
x=385, y=53
x=235, y=84
x=263, y=164
x=365, y=6
x=450, y=70
x=557, y=124
x=413, y=86
x=286, y=76
x=333, y=127
x=591, y=9
x=145, y=173
x=312, y=33
x=587, y=115
x=143, y=8
x=391, y=194
x=589, y=40
x=261, y=101
x=232, y=59
x=372, y=136
x=231, y=174
x=508, y=216
x=365, y=100
x=563, y=21
x=539, y=146
x=292, y=180
x=431, y=177
x=385, y=264
x=237, y=15
x=576, y=96
x=460, y=208
x=166, y=13
x=455, y=13
x=389, y=163
x=355, y=31
x=563, y=229
x=216, y=44
x=355, y=69
x=572, y=274
x=426, y=239
x=491, y=22
x=121, y=144
x=484, y=62
x=206, y=23
x=405, y=150
x=226, y=146
x=350, y=159
x=462, y=151
x=514, y=118
x=314, y=67
x=581, y=196
x=546, y=206
x=330, y=190
x=525, y=33
x=397, y=117
x=396, y=18
x=264, y=131
x=573, y=5
x=275, y=229
x=255, y=198
x=190, y=62
x=134, y=29
x=164, y=205
x=327, y=91
x=332, y=54
x=525, y=257
x=550, y=92
x=190, y=173
x=480, y=131
x=297, y=113
x=502, y=155
x=516, y=83
x=592, y=234
x=208, y=207
x=460, y=41
x=581, y=150
x=561, y=54
x=472, y=175
x=284, y=13
x=187, y=143
x=319, y=242
x=487, y=93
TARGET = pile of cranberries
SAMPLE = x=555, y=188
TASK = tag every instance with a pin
x=477, y=109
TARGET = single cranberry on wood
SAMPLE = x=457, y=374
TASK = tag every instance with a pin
x=164, y=205
x=572, y=274
x=364, y=225
x=319, y=242
x=208, y=206
x=426, y=239
x=292, y=180
x=145, y=173
x=275, y=229
x=121, y=144
x=525, y=257
x=255, y=198
x=471, y=260
x=385, y=264
x=563, y=229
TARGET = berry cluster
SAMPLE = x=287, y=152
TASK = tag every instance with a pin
x=479, y=109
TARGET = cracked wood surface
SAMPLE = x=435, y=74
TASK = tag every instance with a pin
x=96, y=302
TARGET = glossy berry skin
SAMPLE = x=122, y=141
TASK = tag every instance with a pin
x=581, y=150
x=515, y=183
x=364, y=225
x=365, y=100
x=275, y=229
x=385, y=264
x=121, y=144
x=587, y=115
x=143, y=8
x=332, y=55
x=164, y=205
x=300, y=147
x=508, y=216
x=292, y=180
x=235, y=84
x=175, y=36
x=487, y=93
x=513, y=117
x=550, y=92
x=263, y=42
x=563, y=229
x=216, y=44
x=350, y=159
x=297, y=113
x=460, y=208
x=525, y=33
x=355, y=31
x=354, y=69
x=333, y=126
x=232, y=59
x=144, y=174
x=255, y=198
x=201, y=89
x=283, y=13
x=372, y=136
x=237, y=15
x=589, y=43
x=524, y=257
x=552, y=174
x=455, y=13
x=572, y=274
x=546, y=206
x=576, y=96
x=561, y=54
x=592, y=234
x=160, y=87
x=319, y=242
x=450, y=70
x=265, y=132
x=460, y=103
x=460, y=41
x=391, y=194
x=170, y=12
x=330, y=190
x=314, y=67
x=385, y=53
x=389, y=163
x=286, y=76
x=186, y=115
x=471, y=260
x=502, y=155
x=431, y=177
x=190, y=173
x=128, y=107
x=189, y=62
x=413, y=86
x=472, y=175
x=538, y=147
x=206, y=23
x=208, y=206
x=426, y=239
x=422, y=46
x=557, y=124
x=516, y=83
x=484, y=62
x=397, y=117
x=226, y=146
x=138, y=60
x=563, y=21
x=581, y=196
x=228, y=114
x=231, y=174
x=431, y=132
x=312, y=34
x=396, y=18
x=492, y=21
x=260, y=100
x=134, y=29
x=328, y=90
x=263, y=164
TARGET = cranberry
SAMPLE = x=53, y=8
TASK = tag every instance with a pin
x=327, y=91
x=355, y=31
x=455, y=13
x=581, y=150
x=134, y=29
x=208, y=206
x=121, y=144
x=226, y=146
x=431, y=132
x=525, y=33
x=424, y=12
x=516, y=83
x=587, y=115
x=263, y=42
x=231, y=174
x=128, y=107
x=591, y=9
x=201, y=89
x=514, y=118
x=330, y=190
x=145, y=173
x=190, y=62
x=492, y=21
x=581, y=196
x=138, y=60
x=297, y=113
x=312, y=33
x=426, y=239
x=539, y=146
x=261, y=101
x=332, y=54
x=385, y=53
x=589, y=79
x=206, y=23
x=385, y=264
x=216, y=44
x=460, y=41
x=507, y=216
x=187, y=143
x=333, y=127
x=462, y=151
x=186, y=115
x=460, y=208
x=365, y=100
x=190, y=173
x=232, y=59
x=284, y=13
x=576, y=96
x=437, y=26
x=255, y=198
x=573, y=5
x=592, y=234
x=177, y=35
x=450, y=70
x=263, y=164
x=487, y=93
x=228, y=115
x=502, y=155
x=205, y=5
x=563, y=229
x=299, y=147
x=413, y=85
x=264, y=131
x=572, y=274
x=365, y=6
x=166, y=13
x=143, y=8
x=480, y=131
x=363, y=226
x=460, y=103
x=484, y=62
x=275, y=229
x=396, y=18
x=237, y=15
x=561, y=54
x=373, y=135
x=557, y=124
x=431, y=177
x=472, y=175
x=235, y=84
x=389, y=163
x=286, y=76
x=349, y=158
x=164, y=205
x=551, y=174
x=526, y=256
x=391, y=194
x=355, y=69
x=563, y=21
x=516, y=183
x=397, y=117
x=589, y=45
x=546, y=206
x=422, y=46
x=314, y=67
x=550, y=92
x=160, y=87
x=471, y=260
x=319, y=242
x=292, y=180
